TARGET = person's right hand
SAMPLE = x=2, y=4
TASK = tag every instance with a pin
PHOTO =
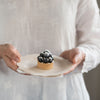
x=10, y=55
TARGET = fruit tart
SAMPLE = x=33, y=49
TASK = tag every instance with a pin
x=45, y=60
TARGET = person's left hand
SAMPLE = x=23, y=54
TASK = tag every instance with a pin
x=75, y=56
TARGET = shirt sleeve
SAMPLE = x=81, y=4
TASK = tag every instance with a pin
x=88, y=33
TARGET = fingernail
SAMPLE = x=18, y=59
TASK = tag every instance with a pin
x=17, y=60
x=76, y=60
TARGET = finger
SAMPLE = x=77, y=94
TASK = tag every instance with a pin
x=75, y=63
x=24, y=73
x=18, y=54
x=12, y=54
x=16, y=51
x=69, y=71
x=65, y=54
x=10, y=63
x=71, y=56
x=77, y=58
x=21, y=72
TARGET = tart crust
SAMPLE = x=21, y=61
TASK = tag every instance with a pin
x=45, y=66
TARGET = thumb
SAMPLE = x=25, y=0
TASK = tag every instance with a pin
x=77, y=58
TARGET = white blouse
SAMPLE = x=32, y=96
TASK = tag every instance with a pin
x=57, y=25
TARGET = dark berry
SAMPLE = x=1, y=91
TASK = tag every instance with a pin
x=50, y=55
x=45, y=60
x=50, y=59
x=42, y=54
x=46, y=54
x=46, y=51
x=40, y=59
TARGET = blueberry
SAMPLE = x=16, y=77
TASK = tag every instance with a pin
x=46, y=51
x=50, y=59
x=42, y=54
x=45, y=60
x=40, y=59
x=46, y=55
x=50, y=55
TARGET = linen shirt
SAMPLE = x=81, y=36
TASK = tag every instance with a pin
x=57, y=25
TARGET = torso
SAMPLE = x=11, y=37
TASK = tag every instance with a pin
x=32, y=26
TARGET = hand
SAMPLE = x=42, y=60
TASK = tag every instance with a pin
x=75, y=56
x=10, y=55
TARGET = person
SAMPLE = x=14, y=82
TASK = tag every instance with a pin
x=68, y=28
